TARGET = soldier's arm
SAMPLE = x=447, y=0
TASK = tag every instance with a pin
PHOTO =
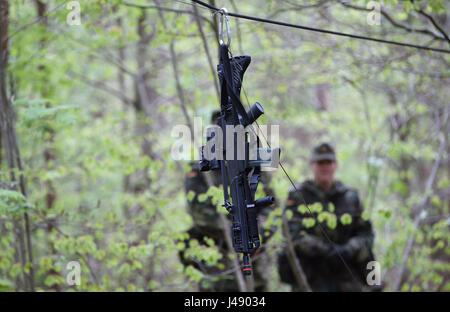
x=360, y=245
x=312, y=246
x=305, y=241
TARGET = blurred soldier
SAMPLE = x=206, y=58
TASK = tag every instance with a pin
x=207, y=224
x=340, y=265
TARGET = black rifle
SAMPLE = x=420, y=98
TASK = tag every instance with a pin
x=241, y=175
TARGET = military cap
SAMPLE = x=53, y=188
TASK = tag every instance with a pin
x=323, y=151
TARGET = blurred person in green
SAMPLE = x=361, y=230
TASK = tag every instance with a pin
x=339, y=265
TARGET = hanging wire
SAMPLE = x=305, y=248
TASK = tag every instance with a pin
x=330, y=32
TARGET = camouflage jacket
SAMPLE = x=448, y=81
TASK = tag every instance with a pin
x=339, y=212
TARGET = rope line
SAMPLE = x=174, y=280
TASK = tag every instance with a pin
x=330, y=32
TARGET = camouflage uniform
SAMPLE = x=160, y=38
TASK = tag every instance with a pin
x=323, y=268
x=207, y=224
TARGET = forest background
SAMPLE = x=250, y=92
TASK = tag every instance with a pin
x=91, y=90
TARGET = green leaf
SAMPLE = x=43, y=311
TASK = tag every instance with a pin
x=190, y=195
x=193, y=274
x=346, y=219
x=331, y=207
x=332, y=222
x=436, y=201
x=11, y=195
x=308, y=222
x=444, y=183
x=53, y=280
x=202, y=197
x=316, y=207
x=302, y=209
x=152, y=285
x=289, y=214
x=6, y=285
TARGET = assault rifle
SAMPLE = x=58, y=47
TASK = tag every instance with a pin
x=240, y=164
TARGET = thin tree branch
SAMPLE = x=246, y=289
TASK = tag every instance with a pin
x=296, y=267
x=435, y=24
x=100, y=85
x=38, y=20
x=208, y=55
x=297, y=7
x=394, y=22
x=141, y=6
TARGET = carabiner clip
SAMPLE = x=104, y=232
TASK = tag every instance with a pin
x=223, y=13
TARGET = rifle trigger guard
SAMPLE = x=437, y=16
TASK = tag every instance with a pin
x=228, y=206
x=223, y=13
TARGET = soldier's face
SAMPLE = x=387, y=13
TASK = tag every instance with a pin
x=323, y=170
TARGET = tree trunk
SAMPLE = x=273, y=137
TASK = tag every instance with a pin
x=49, y=153
x=12, y=153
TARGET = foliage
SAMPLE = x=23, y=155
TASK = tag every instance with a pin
x=119, y=206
